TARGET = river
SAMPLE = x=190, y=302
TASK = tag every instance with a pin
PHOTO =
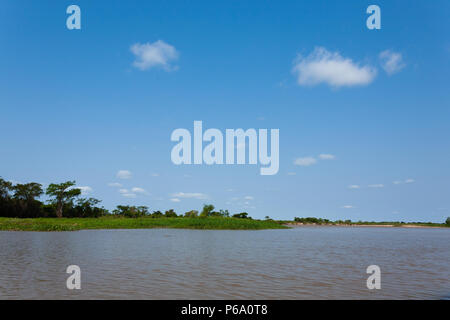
x=298, y=263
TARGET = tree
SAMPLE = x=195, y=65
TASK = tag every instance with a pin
x=191, y=214
x=207, y=209
x=224, y=213
x=131, y=211
x=25, y=196
x=64, y=194
x=27, y=192
x=447, y=222
x=5, y=187
x=157, y=214
x=242, y=215
x=6, y=204
x=170, y=214
x=87, y=208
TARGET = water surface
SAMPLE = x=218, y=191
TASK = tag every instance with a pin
x=299, y=263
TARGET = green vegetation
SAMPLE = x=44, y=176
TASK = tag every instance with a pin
x=116, y=222
x=67, y=211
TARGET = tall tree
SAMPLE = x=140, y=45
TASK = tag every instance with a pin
x=63, y=193
x=206, y=211
x=25, y=195
x=5, y=187
x=27, y=192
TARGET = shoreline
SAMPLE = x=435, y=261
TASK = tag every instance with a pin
x=406, y=225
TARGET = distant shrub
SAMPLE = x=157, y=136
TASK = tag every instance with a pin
x=131, y=211
x=170, y=214
x=242, y=215
x=191, y=214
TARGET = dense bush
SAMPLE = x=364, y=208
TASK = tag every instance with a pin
x=131, y=211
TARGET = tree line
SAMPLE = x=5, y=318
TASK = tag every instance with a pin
x=21, y=201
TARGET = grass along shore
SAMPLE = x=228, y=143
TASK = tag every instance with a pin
x=113, y=222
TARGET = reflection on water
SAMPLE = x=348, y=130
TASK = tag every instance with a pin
x=300, y=263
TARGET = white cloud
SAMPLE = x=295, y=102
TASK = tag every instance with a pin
x=84, y=190
x=379, y=185
x=175, y=200
x=115, y=184
x=291, y=173
x=123, y=174
x=126, y=193
x=155, y=174
x=248, y=198
x=129, y=195
x=306, y=161
x=190, y=195
x=353, y=186
x=325, y=156
x=406, y=181
x=392, y=62
x=347, y=207
x=156, y=54
x=322, y=66
x=138, y=190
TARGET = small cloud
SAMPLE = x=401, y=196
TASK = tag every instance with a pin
x=123, y=174
x=395, y=212
x=155, y=174
x=190, y=195
x=291, y=173
x=115, y=185
x=126, y=193
x=306, y=161
x=347, y=207
x=248, y=198
x=230, y=190
x=325, y=156
x=84, y=190
x=156, y=54
x=405, y=181
x=354, y=186
x=322, y=66
x=138, y=190
x=260, y=118
x=379, y=185
x=392, y=62
x=175, y=200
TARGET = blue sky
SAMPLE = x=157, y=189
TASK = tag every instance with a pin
x=76, y=105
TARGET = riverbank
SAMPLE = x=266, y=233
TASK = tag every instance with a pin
x=379, y=225
x=75, y=224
